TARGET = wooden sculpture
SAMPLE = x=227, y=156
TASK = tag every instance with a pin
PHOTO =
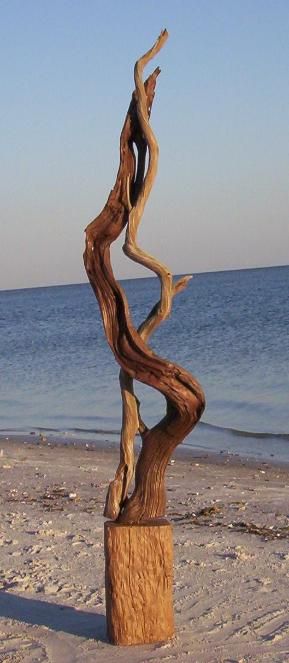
x=138, y=544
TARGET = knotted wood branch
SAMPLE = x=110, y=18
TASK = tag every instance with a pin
x=184, y=396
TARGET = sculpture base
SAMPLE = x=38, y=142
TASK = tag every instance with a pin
x=138, y=582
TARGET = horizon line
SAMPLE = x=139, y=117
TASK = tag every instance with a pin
x=152, y=276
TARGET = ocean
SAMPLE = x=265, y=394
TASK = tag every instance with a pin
x=230, y=329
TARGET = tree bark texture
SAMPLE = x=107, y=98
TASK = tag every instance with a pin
x=138, y=581
x=184, y=396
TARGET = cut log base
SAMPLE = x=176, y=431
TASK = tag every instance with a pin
x=138, y=582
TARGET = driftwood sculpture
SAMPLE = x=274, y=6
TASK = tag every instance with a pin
x=184, y=396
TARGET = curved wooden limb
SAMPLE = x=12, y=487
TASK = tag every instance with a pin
x=131, y=418
x=119, y=204
x=184, y=395
x=131, y=249
x=118, y=488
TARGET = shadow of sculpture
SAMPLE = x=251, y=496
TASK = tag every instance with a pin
x=54, y=616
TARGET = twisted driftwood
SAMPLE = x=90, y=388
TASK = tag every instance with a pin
x=184, y=395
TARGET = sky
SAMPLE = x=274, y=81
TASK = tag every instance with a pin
x=220, y=115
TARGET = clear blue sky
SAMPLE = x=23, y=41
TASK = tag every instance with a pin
x=221, y=117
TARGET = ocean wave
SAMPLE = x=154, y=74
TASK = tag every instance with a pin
x=203, y=425
x=244, y=433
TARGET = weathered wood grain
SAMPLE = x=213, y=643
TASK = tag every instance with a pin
x=183, y=393
x=139, y=576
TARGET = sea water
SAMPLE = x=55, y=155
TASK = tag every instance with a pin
x=230, y=329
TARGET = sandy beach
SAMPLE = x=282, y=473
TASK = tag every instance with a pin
x=231, y=535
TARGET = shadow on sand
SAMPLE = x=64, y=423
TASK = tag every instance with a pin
x=54, y=616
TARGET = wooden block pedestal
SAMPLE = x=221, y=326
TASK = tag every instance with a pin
x=138, y=582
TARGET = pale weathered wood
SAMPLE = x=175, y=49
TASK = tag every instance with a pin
x=138, y=580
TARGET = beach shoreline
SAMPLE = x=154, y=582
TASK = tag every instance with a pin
x=183, y=452
x=230, y=520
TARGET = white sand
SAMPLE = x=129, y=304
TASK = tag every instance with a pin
x=231, y=586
